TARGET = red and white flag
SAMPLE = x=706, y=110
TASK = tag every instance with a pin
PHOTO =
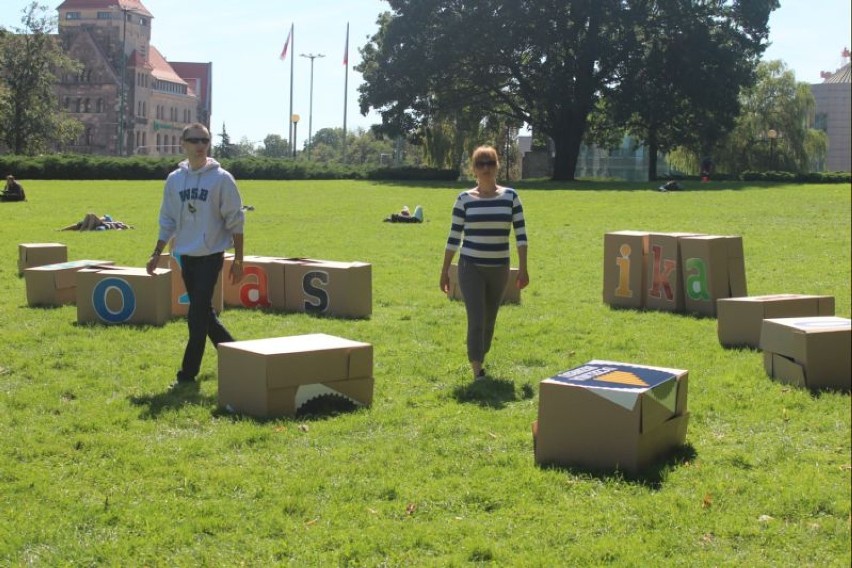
x=283, y=55
x=346, y=50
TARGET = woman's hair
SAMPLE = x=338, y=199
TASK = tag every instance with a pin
x=483, y=153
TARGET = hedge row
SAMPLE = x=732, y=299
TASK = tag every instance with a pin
x=800, y=177
x=75, y=166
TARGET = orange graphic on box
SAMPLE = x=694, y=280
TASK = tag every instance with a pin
x=622, y=378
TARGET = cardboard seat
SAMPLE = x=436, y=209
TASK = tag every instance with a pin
x=606, y=415
x=814, y=352
x=276, y=376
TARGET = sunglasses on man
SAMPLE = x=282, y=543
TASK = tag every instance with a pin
x=197, y=140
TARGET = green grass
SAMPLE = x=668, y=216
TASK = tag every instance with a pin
x=99, y=465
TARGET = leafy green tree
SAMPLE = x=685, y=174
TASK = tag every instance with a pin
x=692, y=60
x=545, y=63
x=244, y=148
x=30, y=58
x=772, y=131
x=274, y=146
x=329, y=136
x=545, y=69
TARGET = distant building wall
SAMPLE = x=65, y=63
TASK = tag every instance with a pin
x=833, y=115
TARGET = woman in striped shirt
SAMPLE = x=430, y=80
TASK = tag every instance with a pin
x=483, y=218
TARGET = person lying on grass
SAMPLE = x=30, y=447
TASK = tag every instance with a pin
x=92, y=222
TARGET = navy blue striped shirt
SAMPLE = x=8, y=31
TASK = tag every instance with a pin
x=485, y=223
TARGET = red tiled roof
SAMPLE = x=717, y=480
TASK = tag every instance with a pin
x=130, y=5
x=162, y=69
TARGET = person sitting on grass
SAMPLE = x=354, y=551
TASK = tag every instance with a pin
x=14, y=191
x=92, y=222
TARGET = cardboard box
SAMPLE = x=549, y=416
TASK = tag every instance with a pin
x=180, y=299
x=56, y=284
x=740, y=319
x=713, y=267
x=325, y=287
x=606, y=415
x=511, y=295
x=124, y=295
x=811, y=352
x=625, y=266
x=39, y=254
x=664, y=280
x=262, y=285
x=274, y=377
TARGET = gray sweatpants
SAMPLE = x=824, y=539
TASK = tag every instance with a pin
x=482, y=288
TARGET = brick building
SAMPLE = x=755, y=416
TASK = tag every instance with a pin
x=129, y=97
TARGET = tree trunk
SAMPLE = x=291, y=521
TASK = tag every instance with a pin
x=652, y=146
x=567, y=145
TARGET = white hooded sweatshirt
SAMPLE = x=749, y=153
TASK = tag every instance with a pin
x=201, y=209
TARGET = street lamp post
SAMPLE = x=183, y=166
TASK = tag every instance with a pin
x=295, y=120
x=772, y=134
x=123, y=75
x=311, y=56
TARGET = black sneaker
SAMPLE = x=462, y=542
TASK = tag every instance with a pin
x=181, y=382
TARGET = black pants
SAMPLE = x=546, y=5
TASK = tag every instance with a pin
x=200, y=275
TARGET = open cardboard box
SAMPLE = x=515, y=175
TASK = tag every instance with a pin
x=276, y=376
x=39, y=254
x=329, y=288
x=56, y=284
x=741, y=319
x=811, y=352
x=606, y=415
x=123, y=295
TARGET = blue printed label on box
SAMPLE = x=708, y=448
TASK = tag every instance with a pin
x=614, y=376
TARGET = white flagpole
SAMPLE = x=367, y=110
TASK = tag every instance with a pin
x=292, y=132
x=345, y=89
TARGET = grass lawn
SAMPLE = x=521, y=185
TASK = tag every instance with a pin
x=100, y=465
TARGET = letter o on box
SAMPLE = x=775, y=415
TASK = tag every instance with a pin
x=101, y=305
x=121, y=295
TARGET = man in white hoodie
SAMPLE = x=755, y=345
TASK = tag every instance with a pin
x=202, y=212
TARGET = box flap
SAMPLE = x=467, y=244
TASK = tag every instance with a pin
x=784, y=369
x=624, y=384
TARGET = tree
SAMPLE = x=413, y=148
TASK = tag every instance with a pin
x=545, y=63
x=243, y=149
x=225, y=149
x=274, y=146
x=30, y=119
x=328, y=136
x=772, y=132
x=693, y=59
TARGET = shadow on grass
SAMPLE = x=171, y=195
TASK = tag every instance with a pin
x=492, y=392
x=171, y=399
x=323, y=407
x=651, y=477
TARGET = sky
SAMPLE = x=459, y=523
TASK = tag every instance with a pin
x=251, y=84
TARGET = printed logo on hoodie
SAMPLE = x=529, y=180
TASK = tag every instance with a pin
x=194, y=193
